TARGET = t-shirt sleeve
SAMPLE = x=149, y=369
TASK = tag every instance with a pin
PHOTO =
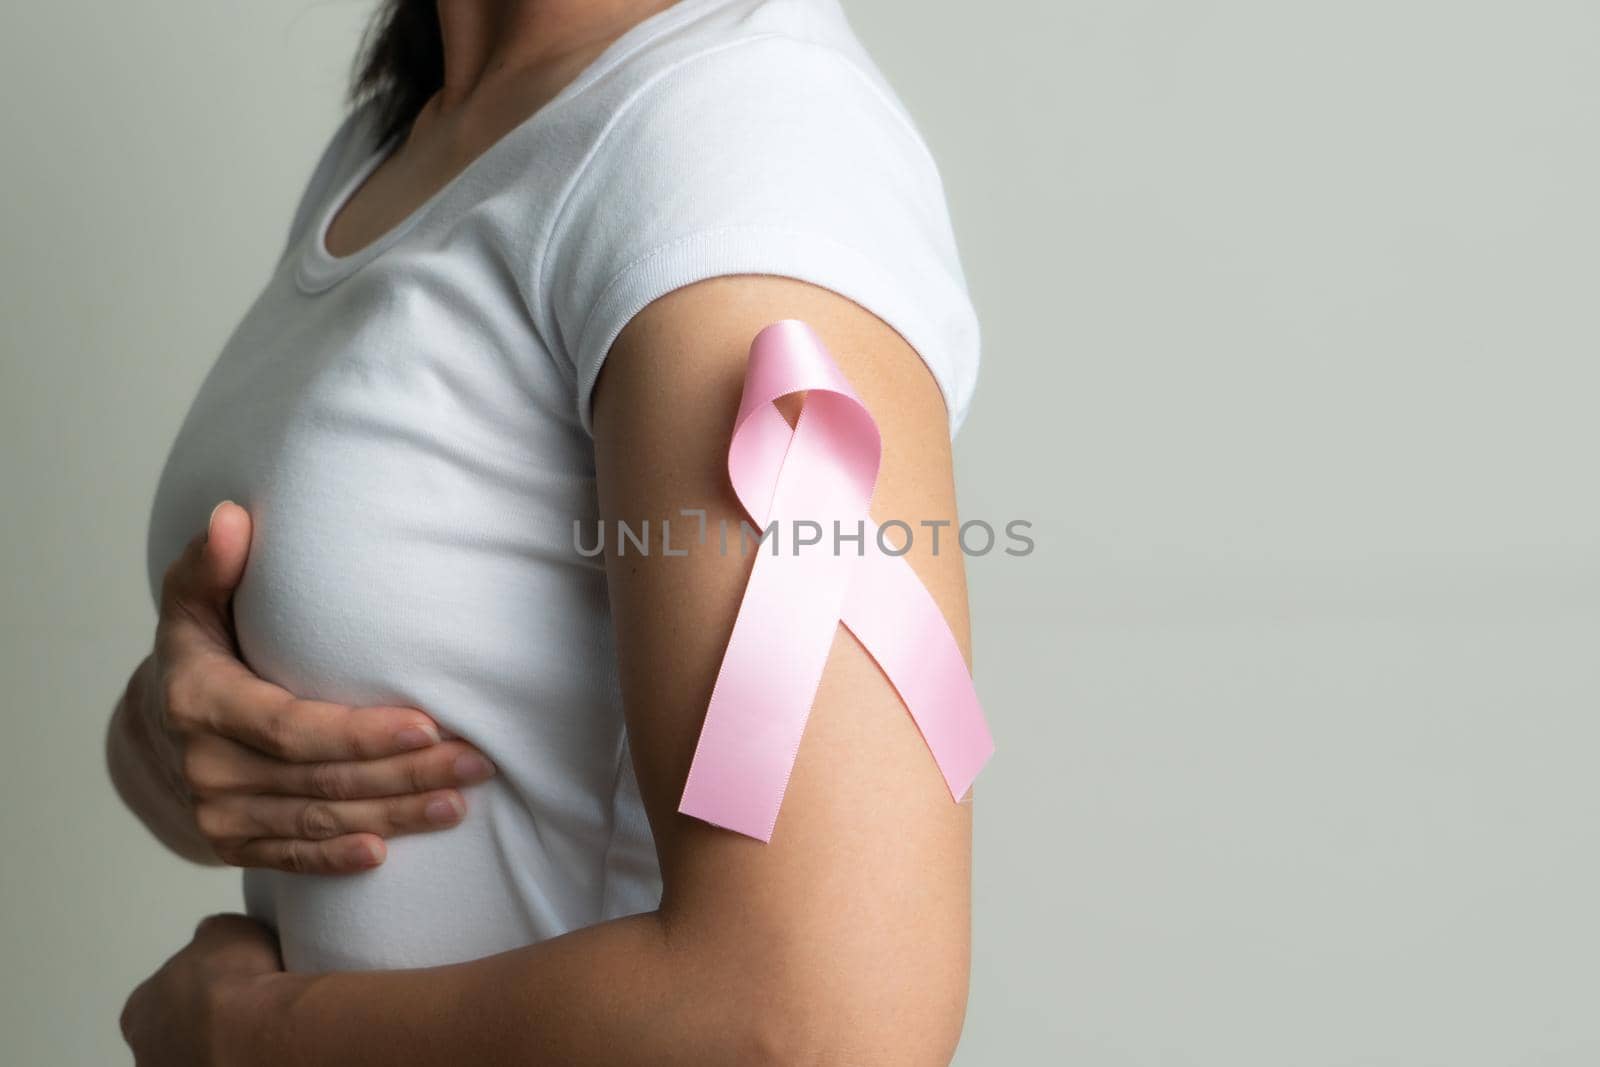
x=770, y=156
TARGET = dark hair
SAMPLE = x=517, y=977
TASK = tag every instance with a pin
x=400, y=64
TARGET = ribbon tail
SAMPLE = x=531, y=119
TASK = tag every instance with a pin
x=900, y=625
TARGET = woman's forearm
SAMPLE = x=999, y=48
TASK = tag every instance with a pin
x=621, y=992
x=136, y=773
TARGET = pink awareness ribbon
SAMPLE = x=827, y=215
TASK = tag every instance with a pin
x=821, y=470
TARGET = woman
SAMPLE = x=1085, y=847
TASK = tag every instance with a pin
x=447, y=743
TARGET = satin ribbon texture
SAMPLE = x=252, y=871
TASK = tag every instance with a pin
x=823, y=469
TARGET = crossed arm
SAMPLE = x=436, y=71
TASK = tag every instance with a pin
x=843, y=940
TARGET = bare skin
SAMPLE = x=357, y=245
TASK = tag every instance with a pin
x=846, y=939
x=503, y=61
x=227, y=768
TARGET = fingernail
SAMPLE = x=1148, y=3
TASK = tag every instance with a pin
x=472, y=767
x=213, y=516
x=445, y=810
x=417, y=737
x=364, y=854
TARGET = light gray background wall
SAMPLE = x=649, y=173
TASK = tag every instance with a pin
x=1290, y=355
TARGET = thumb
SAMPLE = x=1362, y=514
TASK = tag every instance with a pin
x=225, y=547
x=238, y=943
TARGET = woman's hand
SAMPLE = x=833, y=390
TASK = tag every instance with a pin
x=177, y=1016
x=238, y=770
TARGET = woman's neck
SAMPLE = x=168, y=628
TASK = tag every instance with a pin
x=486, y=39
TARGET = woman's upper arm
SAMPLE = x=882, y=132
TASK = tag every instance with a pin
x=857, y=911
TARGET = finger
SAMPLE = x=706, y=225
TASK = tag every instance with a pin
x=216, y=766
x=236, y=943
x=449, y=763
x=270, y=719
x=229, y=821
x=225, y=925
x=339, y=855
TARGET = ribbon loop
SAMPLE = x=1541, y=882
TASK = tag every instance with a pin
x=822, y=470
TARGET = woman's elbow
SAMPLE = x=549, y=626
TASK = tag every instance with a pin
x=894, y=1017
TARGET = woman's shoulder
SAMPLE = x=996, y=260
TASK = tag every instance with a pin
x=764, y=113
x=742, y=56
x=766, y=143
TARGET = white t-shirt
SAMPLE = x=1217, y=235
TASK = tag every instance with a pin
x=409, y=427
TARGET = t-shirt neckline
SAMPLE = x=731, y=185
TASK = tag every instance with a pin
x=318, y=269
